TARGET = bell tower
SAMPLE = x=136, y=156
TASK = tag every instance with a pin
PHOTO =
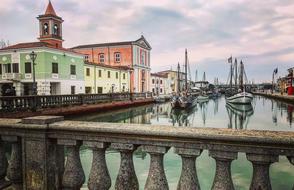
x=50, y=27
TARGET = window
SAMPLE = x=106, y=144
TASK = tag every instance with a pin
x=88, y=90
x=55, y=29
x=160, y=81
x=72, y=89
x=124, y=76
x=28, y=67
x=7, y=68
x=15, y=68
x=72, y=69
x=99, y=73
x=99, y=89
x=116, y=75
x=45, y=29
x=108, y=74
x=157, y=81
x=101, y=58
x=117, y=57
x=152, y=81
x=142, y=58
x=88, y=71
x=160, y=90
x=86, y=58
x=55, y=68
x=0, y=69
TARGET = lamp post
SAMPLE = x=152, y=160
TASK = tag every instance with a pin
x=33, y=57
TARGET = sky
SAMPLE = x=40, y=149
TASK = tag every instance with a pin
x=258, y=32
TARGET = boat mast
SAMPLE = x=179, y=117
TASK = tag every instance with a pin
x=241, y=75
x=179, y=89
x=231, y=77
x=186, y=81
x=236, y=73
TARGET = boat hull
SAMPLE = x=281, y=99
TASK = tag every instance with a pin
x=240, y=98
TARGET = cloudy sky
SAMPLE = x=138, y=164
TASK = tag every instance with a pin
x=261, y=33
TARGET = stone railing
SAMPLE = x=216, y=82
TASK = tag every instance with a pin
x=37, y=153
x=24, y=103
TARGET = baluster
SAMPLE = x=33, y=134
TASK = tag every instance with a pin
x=126, y=177
x=99, y=177
x=188, y=179
x=223, y=178
x=73, y=176
x=14, y=170
x=3, y=166
x=261, y=163
x=156, y=177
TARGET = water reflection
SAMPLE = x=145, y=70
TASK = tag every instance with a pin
x=239, y=115
x=264, y=114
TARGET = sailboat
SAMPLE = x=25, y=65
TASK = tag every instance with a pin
x=238, y=95
x=184, y=99
x=203, y=97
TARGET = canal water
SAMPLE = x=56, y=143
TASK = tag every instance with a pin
x=264, y=114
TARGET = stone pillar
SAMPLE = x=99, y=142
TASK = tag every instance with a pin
x=261, y=164
x=126, y=178
x=188, y=179
x=223, y=178
x=3, y=166
x=18, y=88
x=156, y=178
x=99, y=177
x=14, y=170
x=73, y=176
x=43, y=159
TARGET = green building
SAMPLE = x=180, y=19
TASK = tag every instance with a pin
x=57, y=70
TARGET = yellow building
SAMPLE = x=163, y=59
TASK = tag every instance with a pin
x=100, y=78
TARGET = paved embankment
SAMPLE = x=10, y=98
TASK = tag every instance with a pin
x=284, y=97
x=74, y=110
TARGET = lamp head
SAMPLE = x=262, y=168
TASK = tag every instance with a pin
x=33, y=56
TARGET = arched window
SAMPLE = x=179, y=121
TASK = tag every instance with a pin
x=45, y=29
x=55, y=29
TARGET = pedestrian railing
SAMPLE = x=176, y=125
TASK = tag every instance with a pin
x=37, y=159
x=25, y=103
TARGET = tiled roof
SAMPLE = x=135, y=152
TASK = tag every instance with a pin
x=119, y=67
x=50, y=10
x=36, y=45
x=162, y=75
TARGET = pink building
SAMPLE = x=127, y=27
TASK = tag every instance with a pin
x=133, y=54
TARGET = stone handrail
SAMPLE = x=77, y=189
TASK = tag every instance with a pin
x=47, y=136
x=25, y=103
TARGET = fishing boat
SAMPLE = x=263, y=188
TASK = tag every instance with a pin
x=185, y=99
x=238, y=94
x=203, y=96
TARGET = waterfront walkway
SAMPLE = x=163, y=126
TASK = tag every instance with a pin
x=22, y=106
x=285, y=97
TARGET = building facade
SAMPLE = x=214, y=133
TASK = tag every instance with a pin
x=101, y=78
x=173, y=81
x=160, y=85
x=132, y=54
x=57, y=70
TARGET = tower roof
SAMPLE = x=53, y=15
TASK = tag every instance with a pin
x=50, y=10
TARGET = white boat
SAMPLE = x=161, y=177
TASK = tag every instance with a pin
x=240, y=98
x=203, y=98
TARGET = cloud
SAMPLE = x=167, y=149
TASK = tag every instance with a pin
x=260, y=32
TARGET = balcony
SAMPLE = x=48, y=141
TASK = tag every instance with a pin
x=11, y=76
x=51, y=168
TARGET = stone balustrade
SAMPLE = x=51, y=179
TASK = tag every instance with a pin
x=25, y=103
x=37, y=159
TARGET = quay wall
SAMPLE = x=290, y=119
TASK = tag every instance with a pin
x=285, y=98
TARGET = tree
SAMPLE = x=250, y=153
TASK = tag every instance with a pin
x=4, y=43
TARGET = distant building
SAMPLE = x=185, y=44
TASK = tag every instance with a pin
x=132, y=54
x=101, y=78
x=173, y=80
x=58, y=70
x=160, y=85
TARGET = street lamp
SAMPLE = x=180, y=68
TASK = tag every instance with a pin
x=33, y=57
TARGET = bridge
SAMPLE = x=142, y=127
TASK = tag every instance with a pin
x=37, y=159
